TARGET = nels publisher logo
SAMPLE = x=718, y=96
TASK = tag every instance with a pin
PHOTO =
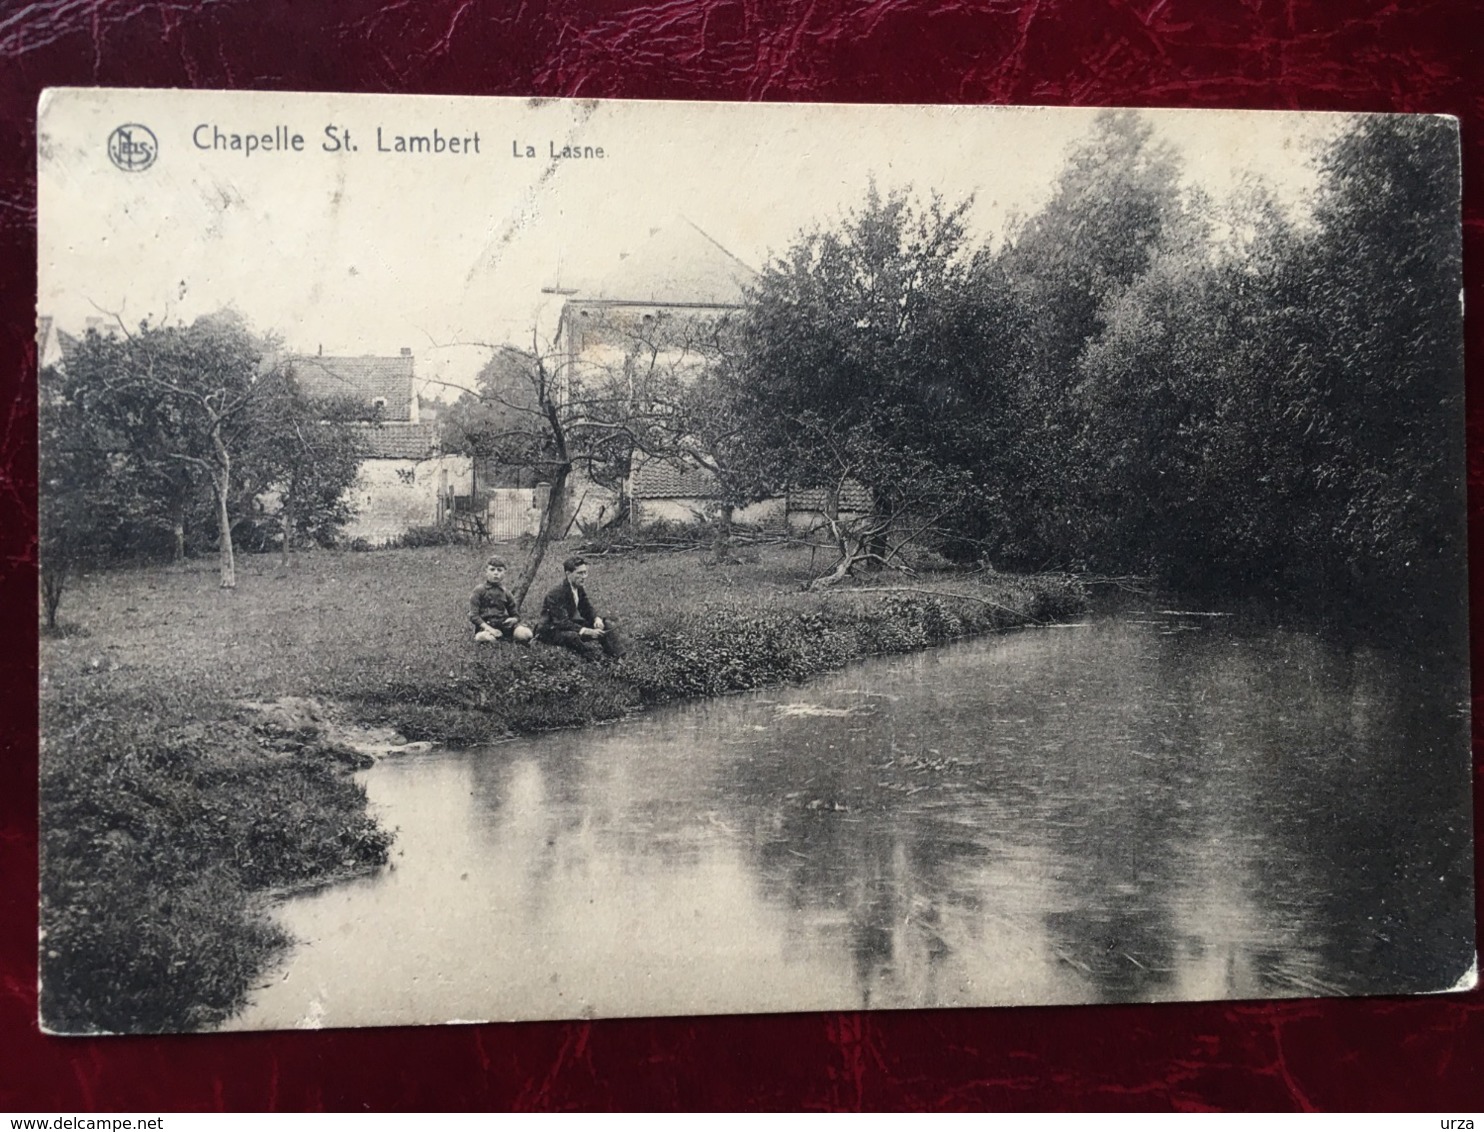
x=133, y=147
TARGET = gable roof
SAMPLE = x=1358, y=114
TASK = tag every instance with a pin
x=399, y=440
x=366, y=377
x=678, y=264
x=853, y=497
x=52, y=346
x=654, y=480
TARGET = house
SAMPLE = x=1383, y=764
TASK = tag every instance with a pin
x=384, y=388
x=50, y=345
x=53, y=344
x=406, y=479
x=652, y=318
x=668, y=296
x=663, y=491
x=661, y=309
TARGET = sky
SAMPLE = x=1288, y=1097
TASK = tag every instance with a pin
x=367, y=250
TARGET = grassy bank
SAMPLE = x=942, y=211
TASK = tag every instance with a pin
x=693, y=631
x=172, y=813
x=167, y=820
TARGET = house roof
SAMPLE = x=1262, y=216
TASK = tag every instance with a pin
x=399, y=440
x=367, y=378
x=677, y=264
x=43, y=332
x=853, y=497
x=655, y=480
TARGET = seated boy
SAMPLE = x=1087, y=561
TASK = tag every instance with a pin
x=492, y=611
x=567, y=617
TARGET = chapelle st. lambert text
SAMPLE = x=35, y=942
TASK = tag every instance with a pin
x=339, y=140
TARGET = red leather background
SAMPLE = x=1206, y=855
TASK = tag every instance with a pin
x=1422, y=55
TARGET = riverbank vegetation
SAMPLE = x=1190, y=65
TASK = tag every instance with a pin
x=172, y=811
x=169, y=818
x=1244, y=398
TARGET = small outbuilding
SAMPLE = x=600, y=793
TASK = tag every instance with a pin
x=406, y=479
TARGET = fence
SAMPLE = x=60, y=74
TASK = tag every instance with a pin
x=499, y=514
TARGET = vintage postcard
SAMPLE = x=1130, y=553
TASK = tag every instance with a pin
x=526, y=559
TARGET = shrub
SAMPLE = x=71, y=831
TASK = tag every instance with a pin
x=1057, y=596
x=429, y=535
x=161, y=834
x=925, y=559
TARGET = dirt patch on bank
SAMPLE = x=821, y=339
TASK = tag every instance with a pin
x=313, y=727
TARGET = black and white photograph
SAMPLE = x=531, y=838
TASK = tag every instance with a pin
x=517, y=559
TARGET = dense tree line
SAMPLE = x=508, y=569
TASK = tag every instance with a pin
x=1136, y=381
x=165, y=441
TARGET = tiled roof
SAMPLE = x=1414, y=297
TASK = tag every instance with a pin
x=366, y=378
x=853, y=497
x=656, y=480
x=665, y=481
x=400, y=440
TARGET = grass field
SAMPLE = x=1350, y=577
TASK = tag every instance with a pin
x=171, y=815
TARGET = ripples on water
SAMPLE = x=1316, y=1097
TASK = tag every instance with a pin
x=1151, y=806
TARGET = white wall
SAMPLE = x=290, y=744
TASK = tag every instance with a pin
x=685, y=510
x=392, y=495
x=589, y=499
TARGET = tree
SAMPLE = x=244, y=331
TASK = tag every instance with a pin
x=1384, y=331
x=73, y=475
x=529, y=412
x=176, y=409
x=1106, y=218
x=555, y=410
x=627, y=383
x=1193, y=399
x=853, y=349
x=479, y=423
x=708, y=430
x=301, y=460
x=1150, y=386
x=1275, y=411
x=913, y=493
x=1112, y=208
x=149, y=493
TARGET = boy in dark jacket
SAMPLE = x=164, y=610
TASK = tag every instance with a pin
x=568, y=619
x=492, y=611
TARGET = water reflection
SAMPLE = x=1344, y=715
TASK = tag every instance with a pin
x=1144, y=807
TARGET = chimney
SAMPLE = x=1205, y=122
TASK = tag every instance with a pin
x=407, y=351
x=321, y=349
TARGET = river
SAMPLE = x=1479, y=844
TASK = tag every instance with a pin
x=1143, y=806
